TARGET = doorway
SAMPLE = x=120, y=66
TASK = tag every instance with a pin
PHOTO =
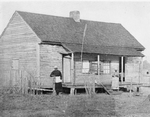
x=67, y=69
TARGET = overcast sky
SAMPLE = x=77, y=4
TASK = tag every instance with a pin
x=133, y=15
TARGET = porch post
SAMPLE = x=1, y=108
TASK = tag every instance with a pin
x=72, y=68
x=98, y=61
x=121, y=69
x=72, y=74
x=98, y=71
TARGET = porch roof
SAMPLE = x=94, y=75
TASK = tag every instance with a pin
x=119, y=51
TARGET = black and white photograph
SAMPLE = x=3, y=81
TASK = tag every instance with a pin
x=74, y=58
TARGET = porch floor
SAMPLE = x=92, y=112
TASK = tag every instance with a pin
x=81, y=85
x=124, y=84
x=108, y=86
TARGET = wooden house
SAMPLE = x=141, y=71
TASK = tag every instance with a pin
x=82, y=50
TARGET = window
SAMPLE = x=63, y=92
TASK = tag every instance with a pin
x=94, y=67
x=106, y=67
x=91, y=67
x=85, y=67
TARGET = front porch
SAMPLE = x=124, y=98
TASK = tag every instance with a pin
x=98, y=70
x=125, y=87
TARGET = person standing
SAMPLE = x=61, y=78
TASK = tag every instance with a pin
x=58, y=79
x=115, y=81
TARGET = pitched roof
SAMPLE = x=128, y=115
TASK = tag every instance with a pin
x=66, y=30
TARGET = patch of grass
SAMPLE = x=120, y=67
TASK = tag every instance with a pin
x=60, y=106
x=82, y=106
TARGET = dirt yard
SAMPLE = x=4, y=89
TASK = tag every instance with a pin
x=101, y=105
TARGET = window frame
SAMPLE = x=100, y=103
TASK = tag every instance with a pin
x=84, y=69
x=104, y=65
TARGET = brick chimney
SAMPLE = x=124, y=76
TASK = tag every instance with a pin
x=75, y=15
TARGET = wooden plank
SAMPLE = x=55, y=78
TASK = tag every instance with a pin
x=16, y=19
x=98, y=62
x=49, y=57
x=72, y=69
x=18, y=41
x=38, y=59
x=21, y=80
x=121, y=69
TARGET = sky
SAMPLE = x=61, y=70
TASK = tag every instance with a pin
x=133, y=15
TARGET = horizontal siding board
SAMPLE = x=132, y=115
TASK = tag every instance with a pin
x=49, y=57
x=133, y=69
x=22, y=35
x=81, y=78
x=16, y=19
x=19, y=24
x=16, y=31
x=17, y=42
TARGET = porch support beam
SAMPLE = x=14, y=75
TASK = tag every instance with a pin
x=98, y=62
x=72, y=89
x=121, y=69
x=72, y=69
x=98, y=71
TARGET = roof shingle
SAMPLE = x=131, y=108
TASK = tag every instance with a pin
x=66, y=30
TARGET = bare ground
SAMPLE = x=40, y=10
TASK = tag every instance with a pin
x=101, y=105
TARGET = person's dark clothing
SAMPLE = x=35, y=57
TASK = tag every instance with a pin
x=58, y=85
x=58, y=88
x=56, y=73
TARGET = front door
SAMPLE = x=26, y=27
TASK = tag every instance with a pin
x=67, y=69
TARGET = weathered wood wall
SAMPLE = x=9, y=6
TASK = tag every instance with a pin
x=80, y=77
x=49, y=57
x=133, y=69
x=18, y=42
